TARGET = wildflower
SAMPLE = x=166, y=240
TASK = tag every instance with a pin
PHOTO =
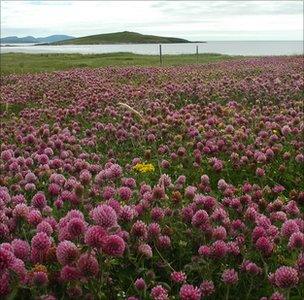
x=219, y=233
x=18, y=267
x=158, y=192
x=178, y=277
x=190, y=192
x=113, y=245
x=30, y=177
x=104, y=215
x=145, y=250
x=144, y=168
x=45, y=227
x=260, y=172
x=159, y=293
x=285, y=130
x=115, y=171
x=200, y=218
x=21, y=248
x=41, y=242
x=251, y=268
x=127, y=213
x=296, y=240
x=189, y=292
x=207, y=288
x=4, y=283
x=157, y=214
x=6, y=259
x=125, y=193
x=299, y=158
x=153, y=230
x=76, y=227
x=139, y=229
x=140, y=284
x=85, y=177
x=88, y=264
x=39, y=279
x=94, y=236
x=219, y=249
x=74, y=292
x=289, y=227
x=230, y=276
x=264, y=245
x=69, y=273
x=204, y=250
x=34, y=217
x=67, y=252
x=164, y=241
x=277, y=296
x=286, y=277
x=108, y=192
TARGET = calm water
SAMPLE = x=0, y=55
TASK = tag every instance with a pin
x=232, y=48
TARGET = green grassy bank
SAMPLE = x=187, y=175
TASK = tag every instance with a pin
x=20, y=63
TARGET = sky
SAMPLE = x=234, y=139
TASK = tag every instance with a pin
x=193, y=20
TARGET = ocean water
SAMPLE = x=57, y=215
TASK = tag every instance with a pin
x=256, y=48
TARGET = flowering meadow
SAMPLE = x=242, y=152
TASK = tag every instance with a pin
x=154, y=183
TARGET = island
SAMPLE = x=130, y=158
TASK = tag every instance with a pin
x=32, y=40
x=125, y=37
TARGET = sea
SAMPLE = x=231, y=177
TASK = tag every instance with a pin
x=254, y=48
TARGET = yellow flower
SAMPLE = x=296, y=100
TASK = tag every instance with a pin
x=39, y=268
x=274, y=131
x=144, y=168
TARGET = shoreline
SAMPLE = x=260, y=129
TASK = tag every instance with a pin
x=147, y=43
x=52, y=44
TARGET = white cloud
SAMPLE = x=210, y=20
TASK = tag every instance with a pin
x=196, y=20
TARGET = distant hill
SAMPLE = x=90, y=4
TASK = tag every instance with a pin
x=31, y=39
x=125, y=37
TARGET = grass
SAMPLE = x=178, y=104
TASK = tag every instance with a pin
x=125, y=37
x=21, y=63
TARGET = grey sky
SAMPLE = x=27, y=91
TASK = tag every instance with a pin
x=194, y=20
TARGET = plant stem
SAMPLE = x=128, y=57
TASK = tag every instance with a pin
x=249, y=291
x=164, y=259
x=287, y=294
x=227, y=293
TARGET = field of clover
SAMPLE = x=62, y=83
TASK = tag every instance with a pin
x=154, y=183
